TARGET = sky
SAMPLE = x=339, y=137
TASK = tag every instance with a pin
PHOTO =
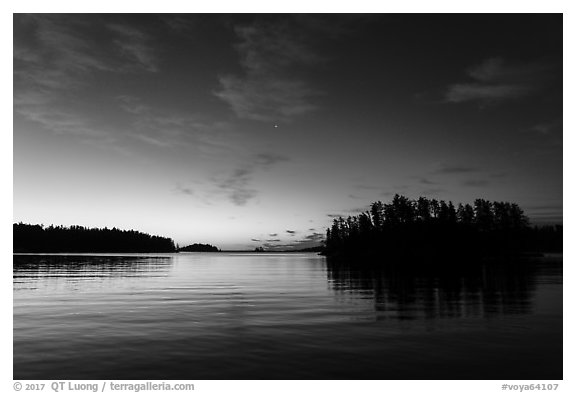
x=256, y=130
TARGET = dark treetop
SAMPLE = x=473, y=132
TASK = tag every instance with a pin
x=37, y=238
x=433, y=228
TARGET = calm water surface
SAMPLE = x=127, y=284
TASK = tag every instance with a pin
x=282, y=316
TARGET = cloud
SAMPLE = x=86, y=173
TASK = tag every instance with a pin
x=267, y=91
x=255, y=240
x=546, y=128
x=290, y=232
x=265, y=99
x=163, y=128
x=153, y=141
x=485, y=93
x=237, y=185
x=272, y=234
x=132, y=105
x=279, y=247
x=52, y=55
x=352, y=211
x=134, y=45
x=495, y=81
x=184, y=190
x=60, y=122
x=312, y=240
x=314, y=237
x=427, y=181
x=179, y=23
x=57, y=58
x=266, y=160
x=308, y=241
x=54, y=51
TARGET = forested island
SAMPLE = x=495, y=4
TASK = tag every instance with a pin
x=438, y=229
x=199, y=247
x=37, y=238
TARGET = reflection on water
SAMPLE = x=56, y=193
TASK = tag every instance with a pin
x=283, y=316
x=76, y=266
x=464, y=289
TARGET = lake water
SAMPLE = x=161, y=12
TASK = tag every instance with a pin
x=283, y=316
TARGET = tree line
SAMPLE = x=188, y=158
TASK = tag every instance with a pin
x=75, y=238
x=430, y=227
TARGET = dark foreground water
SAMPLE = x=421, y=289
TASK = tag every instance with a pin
x=283, y=316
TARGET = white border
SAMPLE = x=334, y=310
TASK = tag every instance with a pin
x=300, y=6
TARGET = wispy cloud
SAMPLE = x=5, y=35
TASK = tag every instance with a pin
x=427, y=181
x=266, y=160
x=165, y=129
x=57, y=58
x=352, y=211
x=312, y=240
x=132, y=105
x=484, y=93
x=238, y=185
x=60, y=122
x=178, y=23
x=314, y=237
x=184, y=190
x=59, y=53
x=267, y=91
x=278, y=247
x=546, y=128
x=265, y=99
x=134, y=44
x=67, y=48
x=495, y=81
x=296, y=243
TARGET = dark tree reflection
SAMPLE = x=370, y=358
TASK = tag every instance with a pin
x=78, y=266
x=431, y=290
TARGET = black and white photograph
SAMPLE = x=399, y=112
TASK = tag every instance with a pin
x=288, y=196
